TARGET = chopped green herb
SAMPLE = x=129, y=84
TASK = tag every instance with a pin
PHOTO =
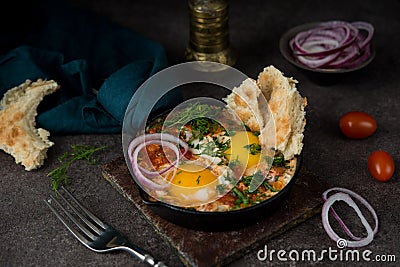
x=208, y=149
x=233, y=163
x=268, y=186
x=246, y=180
x=253, y=148
x=197, y=116
x=198, y=180
x=243, y=198
x=220, y=188
x=229, y=133
x=279, y=161
x=222, y=147
x=229, y=179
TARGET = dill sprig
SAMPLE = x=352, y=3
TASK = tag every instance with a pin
x=197, y=115
x=79, y=152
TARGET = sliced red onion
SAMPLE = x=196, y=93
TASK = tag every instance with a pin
x=347, y=55
x=319, y=62
x=359, y=60
x=361, y=25
x=140, y=142
x=333, y=44
x=344, y=195
x=155, y=136
x=138, y=173
x=302, y=39
x=170, y=145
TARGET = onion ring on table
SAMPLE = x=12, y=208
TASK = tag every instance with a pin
x=344, y=195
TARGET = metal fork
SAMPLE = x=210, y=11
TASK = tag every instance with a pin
x=93, y=233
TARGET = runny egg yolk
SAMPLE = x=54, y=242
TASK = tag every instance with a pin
x=245, y=147
x=191, y=175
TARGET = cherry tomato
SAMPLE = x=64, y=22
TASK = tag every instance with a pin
x=381, y=165
x=357, y=124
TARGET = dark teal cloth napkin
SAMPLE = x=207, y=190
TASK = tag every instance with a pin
x=81, y=52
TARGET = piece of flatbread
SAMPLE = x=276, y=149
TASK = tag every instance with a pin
x=244, y=102
x=273, y=107
x=287, y=108
x=18, y=135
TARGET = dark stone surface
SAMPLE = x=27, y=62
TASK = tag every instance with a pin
x=32, y=236
x=210, y=248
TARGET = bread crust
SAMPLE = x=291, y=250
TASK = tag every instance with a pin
x=244, y=101
x=288, y=110
x=272, y=106
x=18, y=135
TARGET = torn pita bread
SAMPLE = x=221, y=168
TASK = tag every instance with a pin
x=272, y=105
x=287, y=108
x=18, y=135
x=244, y=101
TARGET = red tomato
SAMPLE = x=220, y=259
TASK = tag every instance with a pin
x=357, y=124
x=381, y=165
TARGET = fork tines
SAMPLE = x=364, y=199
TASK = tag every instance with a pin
x=78, y=217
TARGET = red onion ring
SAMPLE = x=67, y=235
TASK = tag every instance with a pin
x=344, y=195
x=156, y=136
x=138, y=173
x=331, y=32
x=140, y=142
x=319, y=62
x=333, y=44
x=368, y=28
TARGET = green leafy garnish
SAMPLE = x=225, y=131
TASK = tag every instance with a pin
x=221, y=188
x=196, y=113
x=242, y=198
x=234, y=162
x=222, y=147
x=268, y=186
x=254, y=148
x=79, y=152
x=279, y=161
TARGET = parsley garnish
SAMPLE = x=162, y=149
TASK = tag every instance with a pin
x=79, y=152
x=234, y=162
x=253, y=148
x=221, y=188
x=279, y=161
x=268, y=186
x=222, y=147
x=243, y=199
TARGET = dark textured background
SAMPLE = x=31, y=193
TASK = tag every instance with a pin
x=31, y=235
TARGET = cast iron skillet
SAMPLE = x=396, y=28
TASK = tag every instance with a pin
x=220, y=221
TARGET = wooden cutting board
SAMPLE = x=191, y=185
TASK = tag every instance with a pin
x=201, y=248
